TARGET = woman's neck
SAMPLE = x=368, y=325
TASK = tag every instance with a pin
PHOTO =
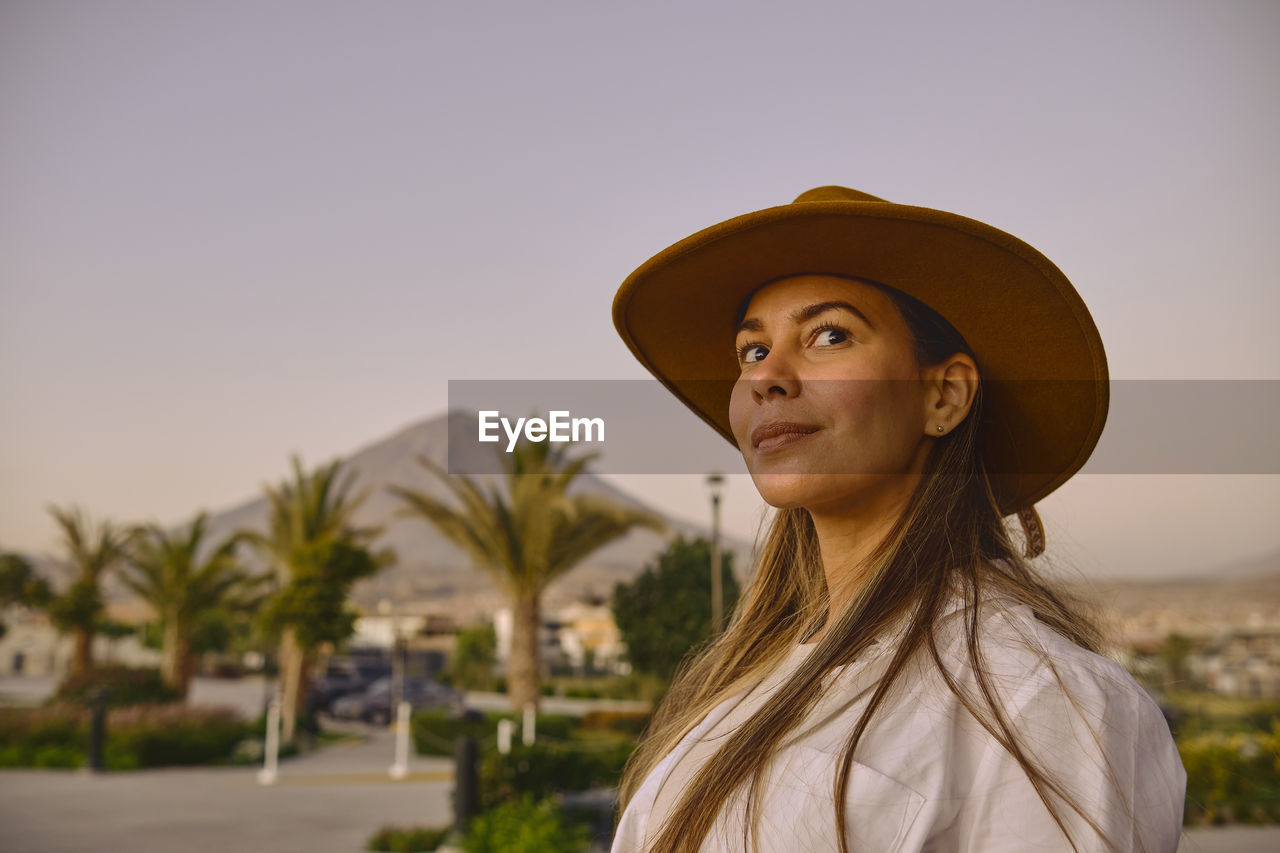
x=848, y=535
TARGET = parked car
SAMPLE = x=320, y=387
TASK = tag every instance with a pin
x=374, y=704
x=343, y=677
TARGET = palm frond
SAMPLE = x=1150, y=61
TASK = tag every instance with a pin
x=531, y=530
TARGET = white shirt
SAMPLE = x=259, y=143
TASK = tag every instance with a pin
x=927, y=776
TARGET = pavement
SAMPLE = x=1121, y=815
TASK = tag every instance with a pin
x=331, y=799
x=1230, y=839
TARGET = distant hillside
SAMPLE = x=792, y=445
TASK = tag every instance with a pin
x=1250, y=567
x=1149, y=610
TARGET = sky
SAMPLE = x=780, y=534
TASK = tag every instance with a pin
x=234, y=231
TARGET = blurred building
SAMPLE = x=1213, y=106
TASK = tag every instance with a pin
x=32, y=646
x=580, y=638
x=1242, y=662
x=590, y=639
x=423, y=637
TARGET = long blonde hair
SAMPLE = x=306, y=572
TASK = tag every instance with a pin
x=950, y=536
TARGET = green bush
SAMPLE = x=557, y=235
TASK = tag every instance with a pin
x=474, y=657
x=583, y=693
x=434, y=732
x=63, y=757
x=138, y=736
x=411, y=840
x=556, y=726
x=30, y=729
x=546, y=768
x=634, y=687
x=161, y=735
x=525, y=825
x=1232, y=778
x=122, y=686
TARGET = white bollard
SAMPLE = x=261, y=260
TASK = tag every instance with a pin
x=530, y=720
x=271, y=751
x=400, y=769
x=506, y=728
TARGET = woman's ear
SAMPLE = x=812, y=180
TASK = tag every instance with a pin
x=950, y=388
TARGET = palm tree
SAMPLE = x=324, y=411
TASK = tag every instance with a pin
x=183, y=590
x=525, y=538
x=19, y=584
x=93, y=551
x=317, y=554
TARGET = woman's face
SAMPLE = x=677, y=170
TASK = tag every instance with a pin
x=830, y=411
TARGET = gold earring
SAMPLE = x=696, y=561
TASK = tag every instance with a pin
x=939, y=427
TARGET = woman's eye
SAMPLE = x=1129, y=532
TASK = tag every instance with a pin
x=831, y=337
x=751, y=353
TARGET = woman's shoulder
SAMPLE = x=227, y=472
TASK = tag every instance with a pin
x=1019, y=655
x=1014, y=644
x=1044, y=680
x=1022, y=646
x=1085, y=719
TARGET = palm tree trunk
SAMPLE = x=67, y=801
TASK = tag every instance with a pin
x=522, y=665
x=177, y=649
x=292, y=671
x=82, y=653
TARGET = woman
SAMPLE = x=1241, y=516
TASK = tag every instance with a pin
x=897, y=676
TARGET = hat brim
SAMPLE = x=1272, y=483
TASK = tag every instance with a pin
x=1043, y=366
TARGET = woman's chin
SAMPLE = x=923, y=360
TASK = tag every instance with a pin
x=789, y=491
x=831, y=492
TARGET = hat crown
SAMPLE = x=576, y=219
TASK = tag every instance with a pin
x=834, y=193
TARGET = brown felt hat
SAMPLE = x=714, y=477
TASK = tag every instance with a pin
x=1043, y=368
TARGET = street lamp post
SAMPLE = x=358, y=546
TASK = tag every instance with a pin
x=715, y=483
x=387, y=609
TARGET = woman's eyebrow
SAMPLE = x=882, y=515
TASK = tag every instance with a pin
x=808, y=312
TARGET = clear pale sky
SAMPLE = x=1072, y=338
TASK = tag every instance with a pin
x=231, y=231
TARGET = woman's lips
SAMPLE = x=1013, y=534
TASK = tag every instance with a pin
x=773, y=436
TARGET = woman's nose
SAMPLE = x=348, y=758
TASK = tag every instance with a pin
x=774, y=375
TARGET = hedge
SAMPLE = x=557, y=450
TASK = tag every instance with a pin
x=138, y=736
x=525, y=825
x=545, y=769
x=434, y=732
x=393, y=839
x=1232, y=778
x=120, y=687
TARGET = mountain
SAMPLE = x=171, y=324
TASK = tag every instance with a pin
x=432, y=574
x=1147, y=611
x=1243, y=569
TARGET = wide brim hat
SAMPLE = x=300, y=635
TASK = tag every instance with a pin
x=1043, y=368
